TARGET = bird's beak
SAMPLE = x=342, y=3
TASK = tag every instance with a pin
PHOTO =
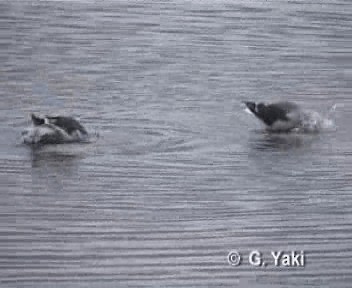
x=250, y=106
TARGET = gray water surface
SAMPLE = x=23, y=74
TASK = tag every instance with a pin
x=180, y=175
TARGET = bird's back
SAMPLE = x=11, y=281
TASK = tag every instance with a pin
x=68, y=124
x=284, y=106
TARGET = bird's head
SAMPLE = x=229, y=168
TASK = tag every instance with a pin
x=37, y=120
x=256, y=109
x=260, y=107
x=251, y=106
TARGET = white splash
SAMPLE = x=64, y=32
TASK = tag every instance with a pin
x=35, y=134
x=50, y=134
x=313, y=122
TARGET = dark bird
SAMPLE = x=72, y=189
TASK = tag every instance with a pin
x=54, y=130
x=279, y=117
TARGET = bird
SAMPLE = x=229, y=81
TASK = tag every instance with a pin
x=54, y=130
x=278, y=117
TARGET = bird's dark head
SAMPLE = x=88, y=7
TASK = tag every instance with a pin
x=256, y=109
x=251, y=106
x=37, y=120
x=260, y=108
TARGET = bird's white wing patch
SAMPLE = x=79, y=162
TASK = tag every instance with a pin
x=34, y=134
x=294, y=116
x=281, y=125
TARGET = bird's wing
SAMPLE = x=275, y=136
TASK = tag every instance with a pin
x=68, y=124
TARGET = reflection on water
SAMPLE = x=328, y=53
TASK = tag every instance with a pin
x=51, y=155
x=283, y=141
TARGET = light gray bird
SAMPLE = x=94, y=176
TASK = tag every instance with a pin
x=54, y=130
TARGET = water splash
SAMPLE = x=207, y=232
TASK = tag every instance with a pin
x=314, y=122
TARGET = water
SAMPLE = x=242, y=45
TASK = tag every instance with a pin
x=180, y=174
